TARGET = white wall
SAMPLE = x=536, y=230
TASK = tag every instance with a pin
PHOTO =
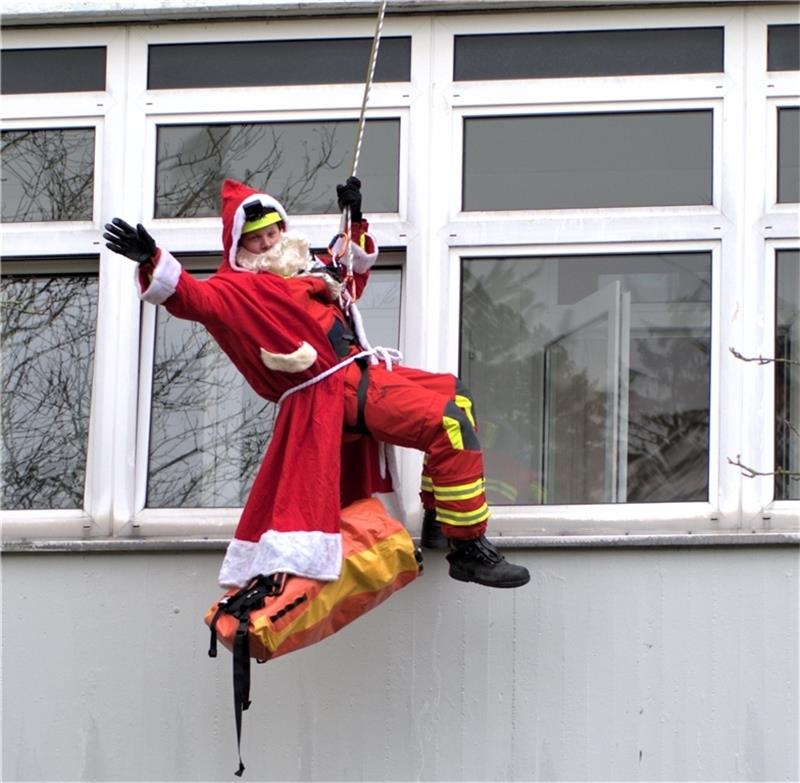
x=627, y=664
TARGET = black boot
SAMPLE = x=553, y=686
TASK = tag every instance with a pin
x=432, y=536
x=477, y=560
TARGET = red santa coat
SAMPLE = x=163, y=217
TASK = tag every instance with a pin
x=275, y=330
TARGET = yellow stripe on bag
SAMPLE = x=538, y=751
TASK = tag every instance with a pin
x=362, y=572
x=463, y=518
x=459, y=491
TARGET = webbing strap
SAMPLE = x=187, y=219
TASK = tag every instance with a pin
x=241, y=681
x=239, y=605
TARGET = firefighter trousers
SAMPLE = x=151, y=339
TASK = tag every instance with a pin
x=431, y=412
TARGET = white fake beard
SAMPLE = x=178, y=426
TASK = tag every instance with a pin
x=288, y=256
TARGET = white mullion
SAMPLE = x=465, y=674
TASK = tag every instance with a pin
x=129, y=141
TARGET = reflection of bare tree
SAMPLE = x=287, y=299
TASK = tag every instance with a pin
x=48, y=328
x=208, y=431
x=48, y=174
x=669, y=417
x=286, y=158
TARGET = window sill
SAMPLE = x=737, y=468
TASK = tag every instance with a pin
x=172, y=544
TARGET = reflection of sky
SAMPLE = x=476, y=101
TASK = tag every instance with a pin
x=588, y=160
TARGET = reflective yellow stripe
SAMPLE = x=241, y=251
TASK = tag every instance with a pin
x=465, y=403
x=426, y=484
x=462, y=517
x=460, y=491
x=453, y=430
x=501, y=488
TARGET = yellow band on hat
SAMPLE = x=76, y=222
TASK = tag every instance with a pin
x=266, y=220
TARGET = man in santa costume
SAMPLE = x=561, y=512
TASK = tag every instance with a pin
x=286, y=320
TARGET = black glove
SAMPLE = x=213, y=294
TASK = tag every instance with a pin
x=133, y=243
x=349, y=195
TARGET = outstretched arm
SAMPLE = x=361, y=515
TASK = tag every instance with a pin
x=160, y=277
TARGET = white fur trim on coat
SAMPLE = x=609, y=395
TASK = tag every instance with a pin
x=297, y=361
x=362, y=261
x=164, y=281
x=313, y=554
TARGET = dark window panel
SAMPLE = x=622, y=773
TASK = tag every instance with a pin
x=48, y=337
x=266, y=63
x=584, y=161
x=48, y=174
x=299, y=163
x=589, y=53
x=788, y=155
x=783, y=47
x=74, y=69
x=787, y=375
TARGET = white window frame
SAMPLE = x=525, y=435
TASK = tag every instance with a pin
x=435, y=234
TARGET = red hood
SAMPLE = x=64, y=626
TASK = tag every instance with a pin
x=234, y=195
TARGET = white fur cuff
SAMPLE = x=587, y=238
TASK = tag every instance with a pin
x=165, y=278
x=362, y=261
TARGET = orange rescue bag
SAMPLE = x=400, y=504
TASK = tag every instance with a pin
x=275, y=614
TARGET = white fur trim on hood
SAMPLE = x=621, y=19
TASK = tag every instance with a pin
x=239, y=221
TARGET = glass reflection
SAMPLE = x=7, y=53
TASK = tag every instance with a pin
x=47, y=174
x=209, y=430
x=789, y=155
x=48, y=328
x=299, y=163
x=787, y=376
x=582, y=161
x=591, y=376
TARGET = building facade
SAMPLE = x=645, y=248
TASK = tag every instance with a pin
x=588, y=211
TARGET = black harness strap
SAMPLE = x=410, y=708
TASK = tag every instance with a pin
x=239, y=605
x=360, y=426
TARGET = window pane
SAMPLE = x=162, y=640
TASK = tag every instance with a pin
x=47, y=174
x=209, y=430
x=588, y=53
x=75, y=69
x=48, y=328
x=783, y=47
x=788, y=155
x=787, y=376
x=299, y=163
x=580, y=161
x=264, y=63
x=590, y=375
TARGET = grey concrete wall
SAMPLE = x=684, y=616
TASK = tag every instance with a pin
x=635, y=664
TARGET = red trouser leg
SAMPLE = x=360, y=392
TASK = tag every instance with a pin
x=429, y=412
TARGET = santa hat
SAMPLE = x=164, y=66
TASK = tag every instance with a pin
x=235, y=195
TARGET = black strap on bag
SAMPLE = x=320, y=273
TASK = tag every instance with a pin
x=239, y=605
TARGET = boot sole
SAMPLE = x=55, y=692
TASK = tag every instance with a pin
x=461, y=577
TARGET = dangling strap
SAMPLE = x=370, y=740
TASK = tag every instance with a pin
x=239, y=605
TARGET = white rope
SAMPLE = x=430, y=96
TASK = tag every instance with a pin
x=389, y=356
x=373, y=59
